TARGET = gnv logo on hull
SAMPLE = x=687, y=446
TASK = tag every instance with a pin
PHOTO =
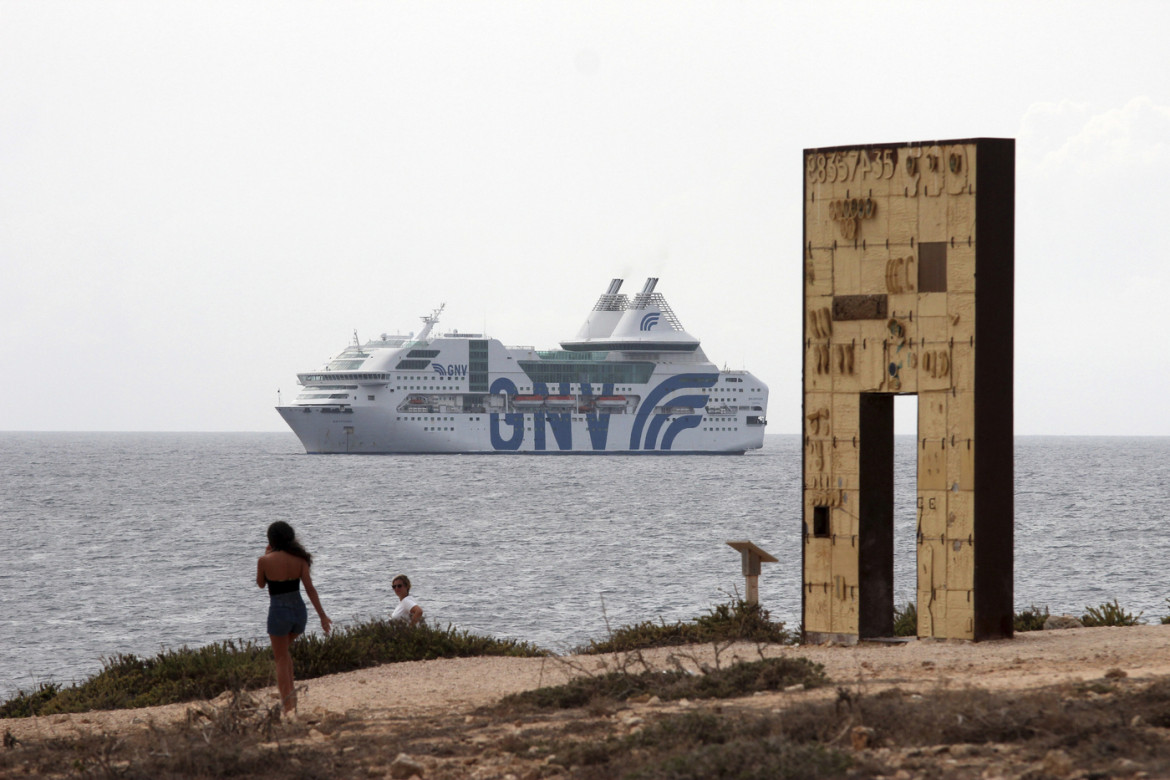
x=648, y=431
x=450, y=369
x=649, y=321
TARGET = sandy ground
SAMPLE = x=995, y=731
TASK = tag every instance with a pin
x=1030, y=660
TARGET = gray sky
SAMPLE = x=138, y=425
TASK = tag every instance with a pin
x=198, y=200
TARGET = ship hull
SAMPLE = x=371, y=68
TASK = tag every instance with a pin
x=366, y=430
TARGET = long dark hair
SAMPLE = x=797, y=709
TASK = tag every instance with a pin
x=282, y=537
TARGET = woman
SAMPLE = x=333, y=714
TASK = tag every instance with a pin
x=283, y=567
x=408, y=608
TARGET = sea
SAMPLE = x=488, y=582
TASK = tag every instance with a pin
x=135, y=543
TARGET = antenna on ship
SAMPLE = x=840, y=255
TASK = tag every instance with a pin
x=278, y=397
x=356, y=343
x=430, y=320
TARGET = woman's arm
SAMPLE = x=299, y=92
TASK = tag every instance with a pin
x=415, y=614
x=261, y=580
x=326, y=623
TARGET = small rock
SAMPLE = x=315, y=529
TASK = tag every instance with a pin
x=1057, y=762
x=404, y=767
x=794, y=688
x=1115, y=674
x=317, y=736
x=654, y=700
x=1137, y=722
x=1057, y=622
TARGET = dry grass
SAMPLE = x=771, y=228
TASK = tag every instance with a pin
x=1109, y=727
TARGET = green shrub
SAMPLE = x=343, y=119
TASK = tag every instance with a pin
x=1110, y=614
x=906, y=620
x=739, y=679
x=1030, y=619
x=736, y=621
x=186, y=675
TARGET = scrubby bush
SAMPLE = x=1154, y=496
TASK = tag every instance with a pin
x=1110, y=614
x=1030, y=619
x=735, y=621
x=739, y=679
x=186, y=675
x=906, y=620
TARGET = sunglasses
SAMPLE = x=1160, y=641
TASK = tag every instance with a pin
x=398, y=585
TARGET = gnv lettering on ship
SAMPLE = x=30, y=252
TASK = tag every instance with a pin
x=451, y=369
x=646, y=425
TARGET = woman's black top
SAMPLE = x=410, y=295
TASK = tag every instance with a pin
x=276, y=587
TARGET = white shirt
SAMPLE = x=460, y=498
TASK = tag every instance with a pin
x=402, y=611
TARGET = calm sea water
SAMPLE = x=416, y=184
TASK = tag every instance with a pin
x=131, y=543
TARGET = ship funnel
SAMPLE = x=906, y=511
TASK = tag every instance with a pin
x=646, y=323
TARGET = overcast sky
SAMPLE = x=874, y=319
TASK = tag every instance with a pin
x=198, y=200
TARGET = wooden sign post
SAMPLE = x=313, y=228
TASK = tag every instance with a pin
x=753, y=556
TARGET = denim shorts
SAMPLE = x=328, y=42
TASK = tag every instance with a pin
x=287, y=614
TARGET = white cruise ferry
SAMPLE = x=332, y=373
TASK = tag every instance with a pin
x=632, y=381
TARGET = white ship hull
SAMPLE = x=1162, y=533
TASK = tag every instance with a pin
x=377, y=431
x=632, y=382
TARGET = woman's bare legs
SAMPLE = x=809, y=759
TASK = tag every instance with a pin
x=284, y=671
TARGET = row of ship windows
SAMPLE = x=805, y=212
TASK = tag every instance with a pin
x=416, y=418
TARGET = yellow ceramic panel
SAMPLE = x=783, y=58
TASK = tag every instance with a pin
x=960, y=514
x=936, y=608
x=818, y=273
x=845, y=465
x=817, y=612
x=876, y=270
x=961, y=268
x=960, y=218
x=902, y=223
x=932, y=513
x=819, y=558
x=932, y=304
x=935, y=367
x=932, y=465
x=925, y=614
x=960, y=615
x=818, y=420
x=932, y=416
x=846, y=412
x=960, y=564
x=932, y=219
x=957, y=168
x=847, y=273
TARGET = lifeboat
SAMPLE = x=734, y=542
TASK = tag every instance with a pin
x=611, y=401
x=561, y=400
x=527, y=401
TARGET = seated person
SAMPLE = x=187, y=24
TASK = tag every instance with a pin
x=408, y=608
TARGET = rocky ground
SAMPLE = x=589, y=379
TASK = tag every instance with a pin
x=439, y=719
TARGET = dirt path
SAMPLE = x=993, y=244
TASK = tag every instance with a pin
x=450, y=687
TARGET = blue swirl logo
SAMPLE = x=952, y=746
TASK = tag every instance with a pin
x=649, y=321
